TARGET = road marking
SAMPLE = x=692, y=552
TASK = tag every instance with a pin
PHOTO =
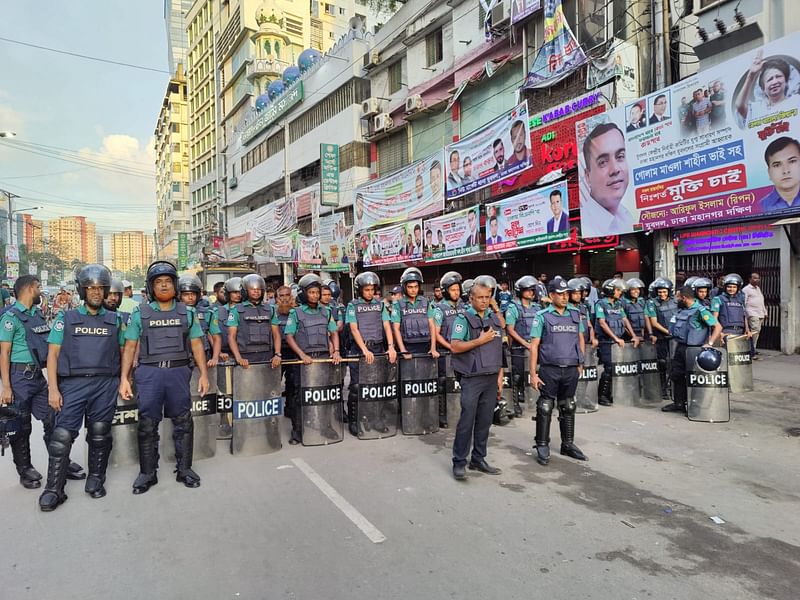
x=350, y=511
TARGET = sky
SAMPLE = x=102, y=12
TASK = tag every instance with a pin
x=106, y=112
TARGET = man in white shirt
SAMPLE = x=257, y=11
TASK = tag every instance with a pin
x=754, y=308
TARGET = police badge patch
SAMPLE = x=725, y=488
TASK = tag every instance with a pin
x=458, y=328
x=59, y=326
x=9, y=325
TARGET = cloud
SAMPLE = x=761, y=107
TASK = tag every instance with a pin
x=10, y=119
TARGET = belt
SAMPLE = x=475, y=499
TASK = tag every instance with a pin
x=169, y=364
x=26, y=367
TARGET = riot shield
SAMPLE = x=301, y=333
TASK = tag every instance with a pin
x=125, y=445
x=625, y=374
x=225, y=399
x=257, y=407
x=586, y=392
x=419, y=394
x=204, y=418
x=377, y=398
x=740, y=364
x=707, y=393
x=531, y=393
x=649, y=378
x=452, y=393
x=321, y=403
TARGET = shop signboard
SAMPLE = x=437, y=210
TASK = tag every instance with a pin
x=729, y=238
x=721, y=145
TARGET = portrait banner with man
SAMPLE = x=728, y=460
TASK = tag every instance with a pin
x=412, y=192
x=528, y=219
x=396, y=244
x=453, y=235
x=333, y=240
x=721, y=145
x=497, y=150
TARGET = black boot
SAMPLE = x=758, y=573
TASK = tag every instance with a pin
x=29, y=477
x=568, y=448
x=147, y=437
x=542, y=438
x=59, y=447
x=183, y=436
x=74, y=471
x=604, y=390
x=99, y=438
x=353, y=418
x=519, y=400
x=665, y=385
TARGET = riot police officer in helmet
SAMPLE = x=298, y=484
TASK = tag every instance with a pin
x=578, y=291
x=83, y=365
x=519, y=323
x=557, y=355
x=114, y=299
x=167, y=332
x=728, y=307
x=635, y=304
x=612, y=324
x=253, y=332
x=412, y=318
x=660, y=310
x=702, y=290
x=445, y=313
x=190, y=290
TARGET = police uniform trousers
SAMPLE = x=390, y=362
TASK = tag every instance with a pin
x=478, y=399
x=678, y=375
x=94, y=397
x=664, y=369
x=163, y=391
x=560, y=383
x=518, y=360
x=30, y=393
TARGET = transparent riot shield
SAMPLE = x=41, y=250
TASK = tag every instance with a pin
x=204, y=420
x=649, y=378
x=452, y=393
x=625, y=374
x=257, y=408
x=531, y=393
x=225, y=399
x=740, y=364
x=125, y=445
x=707, y=394
x=321, y=403
x=586, y=392
x=377, y=398
x=419, y=394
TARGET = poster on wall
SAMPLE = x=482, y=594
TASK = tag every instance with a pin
x=412, y=192
x=452, y=235
x=721, y=145
x=531, y=218
x=399, y=243
x=333, y=240
x=497, y=150
x=309, y=252
x=283, y=248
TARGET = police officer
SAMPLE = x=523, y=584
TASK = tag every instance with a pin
x=693, y=325
x=311, y=333
x=728, y=307
x=660, y=310
x=253, y=327
x=578, y=292
x=702, y=290
x=83, y=365
x=557, y=349
x=519, y=324
x=168, y=333
x=219, y=295
x=412, y=317
x=444, y=315
x=370, y=330
x=330, y=298
x=634, y=304
x=466, y=286
x=477, y=345
x=23, y=356
x=233, y=294
x=114, y=298
x=611, y=324
x=284, y=303
x=190, y=290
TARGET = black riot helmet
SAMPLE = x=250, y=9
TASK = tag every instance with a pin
x=700, y=283
x=364, y=279
x=690, y=281
x=190, y=283
x=254, y=281
x=234, y=284
x=526, y=282
x=306, y=283
x=90, y=275
x=662, y=283
x=158, y=269
x=409, y=275
x=466, y=286
x=450, y=278
x=116, y=287
x=336, y=291
x=489, y=282
x=577, y=284
x=733, y=279
x=709, y=359
x=611, y=285
x=635, y=282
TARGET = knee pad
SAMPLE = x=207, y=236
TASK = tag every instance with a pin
x=60, y=441
x=183, y=422
x=544, y=406
x=147, y=426
x=567, y=407
x=99, y=433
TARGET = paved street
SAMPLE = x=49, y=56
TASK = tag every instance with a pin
x=633, y=522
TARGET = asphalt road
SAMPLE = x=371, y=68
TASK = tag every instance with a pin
x=384, y=518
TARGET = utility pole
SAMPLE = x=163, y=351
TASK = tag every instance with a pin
x=287, y=190
x=10, y=197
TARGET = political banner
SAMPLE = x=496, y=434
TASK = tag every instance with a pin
x=559, y=55
x=275, y=218
x=412, y=192
x=283, y=248
x=333, y=239
x=493, y=152
x=531, y=218
x=309, y=255
x=454, y=234
x=721, y=145
x=523, y=8
x=399, y=243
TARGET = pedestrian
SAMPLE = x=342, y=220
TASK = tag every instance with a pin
x=371, y=333
x=519, y=324
x=23, y=357
x=412, y=317
x=660, y=310
x=438, y=295
x=168, y=334
x=556, y=362
x=477, y=345
x=190, y=292
x=755, y=309
x=541, y=290
x=728, y=308
x=612, y=324
x=83, y=366
x=593, y=294
x=694, y=325
x=445, y=313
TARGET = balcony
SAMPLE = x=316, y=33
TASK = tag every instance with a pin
x=259, y=67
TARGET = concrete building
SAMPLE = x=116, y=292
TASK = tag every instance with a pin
x=130, y=250
x=175, y=14
x=100, y=252
x=33, y=233
x=172, y=167
x=73, y=238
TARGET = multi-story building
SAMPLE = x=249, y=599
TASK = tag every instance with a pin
x=33, y=236
x=172, y=167
x=175, y=14
x=73, y=238
x=101, y=254
x=130, y=250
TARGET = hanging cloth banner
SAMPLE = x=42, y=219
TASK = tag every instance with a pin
x=560, y=53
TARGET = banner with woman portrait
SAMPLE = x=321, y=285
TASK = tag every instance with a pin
x=309, y=252
x=721, y=145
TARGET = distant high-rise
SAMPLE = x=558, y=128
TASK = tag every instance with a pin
x=100, y=257
x=130, y=250
x=33, y=236
x=73, y=238
x=175, y=12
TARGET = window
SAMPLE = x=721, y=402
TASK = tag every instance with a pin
x=175, y=127
x=395, y=77
x=330, y=9
x=341, y=11
x=434, y=49
x=176, y=186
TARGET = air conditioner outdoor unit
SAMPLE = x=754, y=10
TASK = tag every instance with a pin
x=372, y=59
x=382, y=122
x=501, y=14
x=370, y=107
x=414, y=103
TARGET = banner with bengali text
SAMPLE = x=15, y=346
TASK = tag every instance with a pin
x=453, y=235
x=399, y=243
x=333, y=240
